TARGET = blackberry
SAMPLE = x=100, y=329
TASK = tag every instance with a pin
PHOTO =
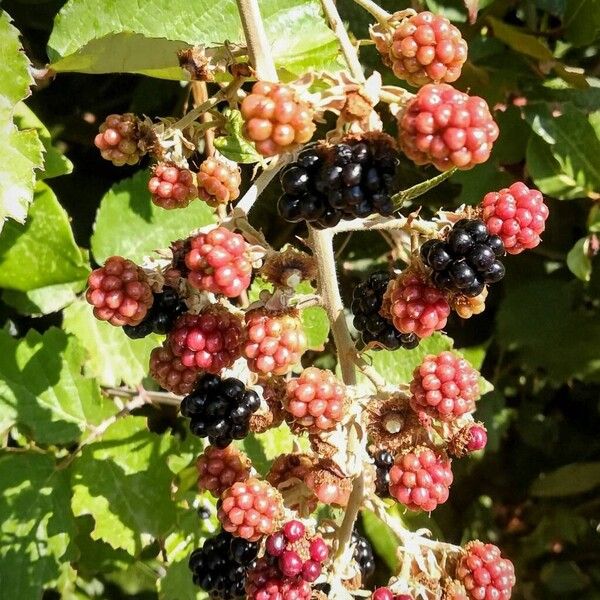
x=220, y=409
x=468, y=260
x=167, y=306
x=349, y=180
x=219, y=567
x=375, y=329
x=383, y=463
x=363, y=555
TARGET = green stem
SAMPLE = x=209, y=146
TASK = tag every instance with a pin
x=379, y=13
x=420, y=188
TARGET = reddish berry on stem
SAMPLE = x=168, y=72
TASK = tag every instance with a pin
x=274, y=120
x=220, y=468
x=219, y=262
x=265, y=582
x=517, y=214
x=119, y=292
x=169, y=372
x=447, y=128
x=218, y=182
x=445, y=386
x=118, y=140
x=316, y=399
x=421, y=479
x=172, y=186
x=210, y=341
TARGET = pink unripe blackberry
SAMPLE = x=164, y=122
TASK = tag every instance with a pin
x=420, y=479
x=172, y=186
x=316, y=399
x=119, y=292
x=220, y=468
x=484, y=573
x=477, y=438
x=218, y=182
x=382, y=593
x=445, y=386
x=210, y=341
x=275, y=341
x=517, y=214
x=219, y=262
x=169, y=372
x=265, y=582
x=447, y=128
x=118, y=139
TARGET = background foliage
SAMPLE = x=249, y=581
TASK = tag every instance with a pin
x=110, y=512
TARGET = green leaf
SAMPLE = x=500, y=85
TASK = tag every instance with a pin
x=129, y=225
x=177, y=584
x=123, y=482
x=42, y=389
x=582, y=21
x=233, y=144
x=37, y=523
x=55, y=163
x=21, y=151
x=143, y=37
x=576, y=478
x=314, y=320
x=112, y=357
x=518, y=40
x=382, y=538
x=42, y=252
x=579, y=261
x=45, y=300
x=564, y=577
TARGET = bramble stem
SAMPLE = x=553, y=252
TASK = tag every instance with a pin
x=190, y=117
x=246, y=202
x=379, y=13
x=420, y=188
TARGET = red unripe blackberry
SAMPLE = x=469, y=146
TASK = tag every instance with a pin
x=445, y=386
x=169, y=372
x=427, y=48
x=210, y=341
x=446, y=128
x=172, y=186
x=484, y=573
x=516, y=214
x=119, y=292
x=218, y=182
x=275, y=341
x=250, y=509
x=220, y=468
x=421, y=479
x=384, y=593
x=219, y=262
x=274, y=120
x=118, y=140
x=477, y=439
x=265, y=582
x=316, y=399
x=415, y=306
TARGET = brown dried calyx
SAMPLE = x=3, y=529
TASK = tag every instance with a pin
x=289, y=267
x=272, y=413
x=328, y=483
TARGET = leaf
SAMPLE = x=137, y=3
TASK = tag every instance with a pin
x=123, y=482
x=177, y=583
x=314, y=320
x=518, y=40
x=37, y=523
x=55, y=163
x=234, y=145
x=564, y=577
x=579, y=261
x=21, y=150
x=45, y=300
x=569, y=480
x=42, y=252
x=382, y=538
x=582, y=21
x=112, y=357
x=42, y=389
x=129, y=225
x=143, y=37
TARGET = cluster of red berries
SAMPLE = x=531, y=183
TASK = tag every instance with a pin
x=118, y=139
x=218, y=182
x=384, y=593
x=265, y=582
x=220, y=468
x=172, y=186
x=170, y=373
x=274, y=120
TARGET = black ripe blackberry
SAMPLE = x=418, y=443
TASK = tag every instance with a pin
x=220, y=566
x=384, y=461
x=375, y=329
x=329, y=183
x=167, y=306
x=220, y=409
x=467, y=260
x=363, y=555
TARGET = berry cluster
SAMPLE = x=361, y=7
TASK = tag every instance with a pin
x=351, y=179
x=275, y=342
x=274, y=120
x=427, y=48
x=165, y=309
x=220, y=468
x=384, y=593
x=220, y=566
x=447, y=128
x=170, y=373
x=467, y=260
x=220, y=409
x=377, y=331
x=119, y=292
x=219, y=262
x=250, y=509
x=384, y=461
x=363, y=555
x=265, y=582
x=209, y=341
x=218, y=182
x=421, y=479
x=118, y=139
x=316, y=399
x=172, y=186
x=445, y=386
x=517, y=215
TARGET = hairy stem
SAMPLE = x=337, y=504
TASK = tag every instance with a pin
x=420, y=188
x=379, y=13
x=190, y=117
